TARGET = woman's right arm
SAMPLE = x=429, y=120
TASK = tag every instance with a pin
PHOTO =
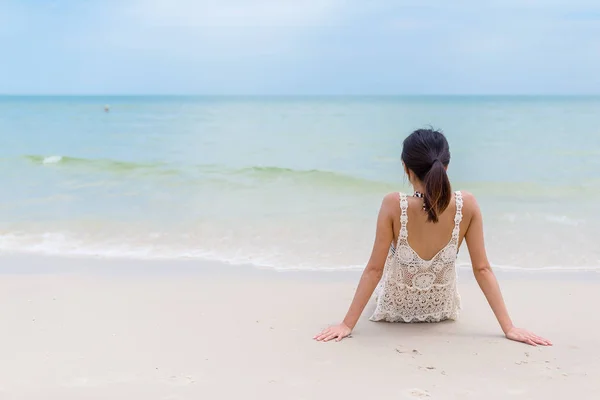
x=371, y=276
x=487, y=280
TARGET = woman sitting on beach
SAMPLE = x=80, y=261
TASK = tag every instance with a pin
x=415, y=279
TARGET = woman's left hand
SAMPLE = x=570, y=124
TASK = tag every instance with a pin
x=523, y=335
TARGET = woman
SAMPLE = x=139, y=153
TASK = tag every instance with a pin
x=415, y=280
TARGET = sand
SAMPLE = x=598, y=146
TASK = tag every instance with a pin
x=119, y=329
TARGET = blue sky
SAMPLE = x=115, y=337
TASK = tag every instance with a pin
x=300, y=47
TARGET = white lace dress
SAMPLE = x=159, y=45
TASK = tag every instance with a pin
x=417, y=290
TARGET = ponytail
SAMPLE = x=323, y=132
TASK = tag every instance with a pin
x=438, y=191
x=426, y=154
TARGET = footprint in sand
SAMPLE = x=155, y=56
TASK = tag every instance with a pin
x=181, y=380
x=402, y=350
x=418, y=393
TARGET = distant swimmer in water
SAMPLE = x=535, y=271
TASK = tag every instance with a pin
x=106, y=108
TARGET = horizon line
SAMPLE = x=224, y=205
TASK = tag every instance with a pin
x=298, y=95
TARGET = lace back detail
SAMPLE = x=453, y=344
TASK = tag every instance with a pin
x=403, y=216
x=414, y=289
x=458, y=216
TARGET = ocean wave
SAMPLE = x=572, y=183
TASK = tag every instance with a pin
x=61, y=244
x=315, y=176
x=108, y=165
x=201, y=173
x=52, y=160
x=528, y=217
x=211, y=171
x=564, y=220
x=551, y=268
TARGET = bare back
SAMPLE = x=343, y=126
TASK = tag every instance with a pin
x=427, y=238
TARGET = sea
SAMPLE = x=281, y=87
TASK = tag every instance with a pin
x=290, y=183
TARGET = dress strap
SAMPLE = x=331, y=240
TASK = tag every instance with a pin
x=403, y=216
x=458, y=216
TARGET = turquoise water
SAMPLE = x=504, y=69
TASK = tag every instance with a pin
x=289, y=183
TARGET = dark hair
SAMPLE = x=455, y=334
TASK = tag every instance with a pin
x=427, y=154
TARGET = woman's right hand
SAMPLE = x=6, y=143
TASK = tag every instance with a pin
x=337, y=332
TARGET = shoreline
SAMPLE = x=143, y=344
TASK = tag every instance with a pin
x=82, y=328
x=30, y=263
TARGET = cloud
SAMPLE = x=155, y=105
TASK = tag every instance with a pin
x=233, y=13
x=223, y=29
x=309, y=46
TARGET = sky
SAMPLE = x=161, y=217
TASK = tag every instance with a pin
x=300, y=47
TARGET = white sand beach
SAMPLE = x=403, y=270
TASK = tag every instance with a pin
x=121, y=329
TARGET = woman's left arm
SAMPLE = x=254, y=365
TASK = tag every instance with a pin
x=487, y=280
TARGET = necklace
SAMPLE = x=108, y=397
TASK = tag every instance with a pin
x=421, y=196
